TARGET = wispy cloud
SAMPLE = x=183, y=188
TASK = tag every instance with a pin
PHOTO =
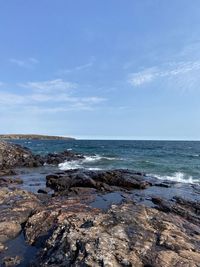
x=169, y=70
x=145, y=76
x=24, y=63
x=49, y=86
x=48, y=96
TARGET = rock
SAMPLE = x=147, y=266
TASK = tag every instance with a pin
x=11, y=261
x=12, y=155
x=7, y=172
x=166, y=185
x=9, y=230
x=100, y=180
x=44, y=220
x=8, y=181
x=128, y=235
x=57, y=158
x=15, y=208
x=2, y=247
x=44, y=190
x=187, y=209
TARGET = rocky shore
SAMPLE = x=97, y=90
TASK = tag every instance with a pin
x=95, y=218
x=13, y=156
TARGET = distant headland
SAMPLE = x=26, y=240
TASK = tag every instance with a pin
x=33, y=137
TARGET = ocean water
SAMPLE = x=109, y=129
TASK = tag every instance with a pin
x=172, y=160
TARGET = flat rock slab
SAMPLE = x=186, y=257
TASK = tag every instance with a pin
x=127, y=235
x=45, y=219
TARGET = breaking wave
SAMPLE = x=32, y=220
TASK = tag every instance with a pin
x=178, y=177
x=84, y=163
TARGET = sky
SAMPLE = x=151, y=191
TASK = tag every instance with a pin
x=100, y=69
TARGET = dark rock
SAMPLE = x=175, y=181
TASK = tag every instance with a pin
x=57, y=158
x=100, y=180
x=166, y=185
x=44, y=190
x=8, y=181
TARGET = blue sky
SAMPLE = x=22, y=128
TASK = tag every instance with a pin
x=125, y=69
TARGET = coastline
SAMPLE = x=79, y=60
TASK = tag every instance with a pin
x=113, y=205
x=33, y=137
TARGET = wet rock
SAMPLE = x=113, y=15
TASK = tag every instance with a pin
x=44, y=190
x=11, y=261
x=128, y=235
x=100, y=180
x=187, y=209
x=15, y=208
x=2, y=247
x=166, y=185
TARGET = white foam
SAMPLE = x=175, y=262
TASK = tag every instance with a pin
x=94, y=169
x=69, y=165
x=75, y=164
x=178, y=177
x=97, y=158
x=92, y=158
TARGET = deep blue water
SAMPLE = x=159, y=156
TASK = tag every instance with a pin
x=174, y=160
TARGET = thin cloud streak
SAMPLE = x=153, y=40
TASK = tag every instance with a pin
x=25, y=63
x=77, y=68
x=49, y=86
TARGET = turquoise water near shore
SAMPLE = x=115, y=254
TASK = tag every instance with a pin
x=173, y=160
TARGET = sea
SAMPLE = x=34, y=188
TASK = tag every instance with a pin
x=177, y=161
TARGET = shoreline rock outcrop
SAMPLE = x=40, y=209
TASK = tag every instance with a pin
x=13, y=155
